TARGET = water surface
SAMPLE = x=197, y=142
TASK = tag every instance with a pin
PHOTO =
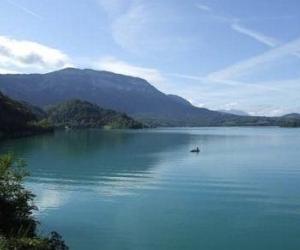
x=143, y=190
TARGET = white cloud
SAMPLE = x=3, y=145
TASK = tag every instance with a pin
x=267, y=40
x=269, y=110
x=114, y=7
x=127, y=22
x=203, y=7
x=270, y=41
x=189, y=77
x=5, y=71
x=24, y=9
x=230, y=105
x=220, y=94
x=204, y=80
x=27, y=56
x=117, y=66
x=143, y=27
x=236, y=26
x=128, y=28
x=231, y=76
x=256, y=62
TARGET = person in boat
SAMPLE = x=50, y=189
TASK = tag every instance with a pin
x=196, y=150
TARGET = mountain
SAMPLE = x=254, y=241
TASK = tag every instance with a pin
x=131, y=95
x=16, y=119
x=180, y=100
x=290, y=120
x=38, y=112
x=234, y=112
x=82, y=114
x=291, y=116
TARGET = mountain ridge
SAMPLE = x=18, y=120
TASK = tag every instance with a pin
x=292, y=115
x=132, y=95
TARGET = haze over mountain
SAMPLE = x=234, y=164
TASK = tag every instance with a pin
x=122, y=93
x=234, y=112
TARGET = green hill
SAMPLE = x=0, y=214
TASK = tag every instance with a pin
x=290, y=121
x=82, y=114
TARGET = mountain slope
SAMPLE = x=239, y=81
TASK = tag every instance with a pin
x=291, y=116
x=290, y=120
x=131, y=95
x=38, y=112
x=16, y=119
x=82, y=114
x=180, y=100
x=106, y=89
x=13, y=115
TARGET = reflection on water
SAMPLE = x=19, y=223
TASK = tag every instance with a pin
x=144, y=190
x=106, y=162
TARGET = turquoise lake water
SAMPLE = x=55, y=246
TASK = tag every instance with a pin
x=142, y=190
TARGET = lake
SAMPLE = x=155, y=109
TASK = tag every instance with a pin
x=143, y=189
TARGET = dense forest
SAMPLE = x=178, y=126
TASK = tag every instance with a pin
x=23, y=119
x=290, y=123
x=82, y=114
x=16, y=119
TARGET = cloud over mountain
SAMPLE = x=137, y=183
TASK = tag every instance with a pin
x=28, y=56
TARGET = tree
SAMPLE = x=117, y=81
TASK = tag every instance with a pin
x=17, y=224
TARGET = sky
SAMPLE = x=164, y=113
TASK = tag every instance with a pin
x=218, y=54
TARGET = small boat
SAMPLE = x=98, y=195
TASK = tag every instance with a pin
x=67, y=127
x=196, y=150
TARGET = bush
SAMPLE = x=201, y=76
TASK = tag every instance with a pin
x=17, y=224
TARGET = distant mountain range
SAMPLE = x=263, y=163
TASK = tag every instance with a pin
x=292, y=116
x=131, y=95
x=290, y=120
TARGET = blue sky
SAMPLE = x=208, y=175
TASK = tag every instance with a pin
x=219, y=54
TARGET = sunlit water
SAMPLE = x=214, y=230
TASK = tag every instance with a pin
x=143, y=189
